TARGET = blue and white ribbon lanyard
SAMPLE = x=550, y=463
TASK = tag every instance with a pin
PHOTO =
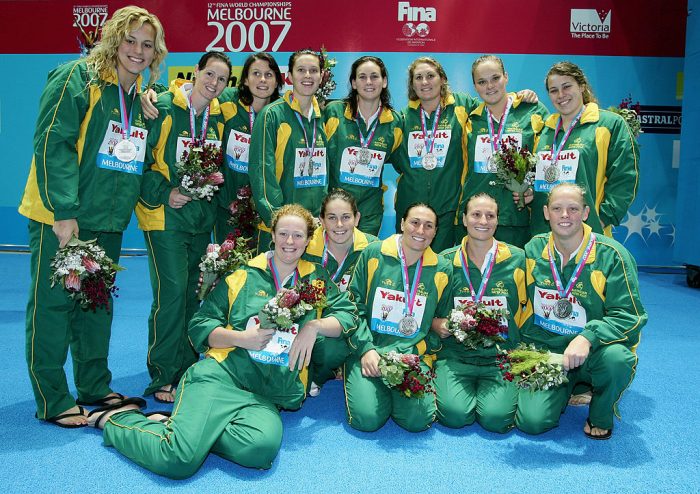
x=477, y=296
x=371, y=129
x=429, y=139
x=193, y=123
x=276, y=275
x=555, y=154
x=311, y=149
x=496, y=139
x=324, y=259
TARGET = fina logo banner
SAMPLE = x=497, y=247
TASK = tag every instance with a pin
x=416, y=23
x=590, y=23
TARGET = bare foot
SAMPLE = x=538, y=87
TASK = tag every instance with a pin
x=166, y=394
x=595, y=432
x=158, y=417
x=580, y=400
x=99, y=420
x=73, y=417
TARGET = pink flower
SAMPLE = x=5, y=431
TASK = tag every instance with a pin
x=411, y=360
x=211, y=248
x=73, y=282
x=216, y=178
x=244, y=192
x=233, y=207
x=467, y=323
x=90, y=265
x=227, y=245
x=288, y=299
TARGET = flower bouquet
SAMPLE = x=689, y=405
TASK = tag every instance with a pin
x=290, y=304
x=220, y=260
x=327, y=85
x=86, y=272
x=199, y=172
x=476, y=325
x=531, y=368
x=514, y=167
x=630, y=112
x=403, y=373
x=244, y=218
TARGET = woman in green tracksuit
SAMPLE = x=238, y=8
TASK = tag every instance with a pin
x=595, y=149
x=399, y=285
x=468, y=384
x=585, y=296
x=502, y=115
x=363, y=131
x=177, y=228
x=288, y=161
x=88, y=108
x=336, y=245
x=432, y=166
x=260, y=84
x=228, y=403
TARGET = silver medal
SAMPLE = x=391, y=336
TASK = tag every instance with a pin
x=364, y=156
x=491, y=165
x=429, y=161
x=563, y=308
x=551, y=174
x=408, y=325
x=125, y=151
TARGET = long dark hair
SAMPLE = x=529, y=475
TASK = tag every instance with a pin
x=384, y=96
x=244, y=94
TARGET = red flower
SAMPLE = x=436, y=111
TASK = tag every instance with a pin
x=211, y=248
x=288, y=299
x=216, y=178
x=73, y=282
x=90, y=265
x=227, y=245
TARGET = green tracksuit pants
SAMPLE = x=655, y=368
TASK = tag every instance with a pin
x=328, y=355
x=370, y=402
x=211, y=413
x=371, y=223
x=173, y=260
x=609, y=370
x=467, y=392
x=55, y=322
x=221, y=226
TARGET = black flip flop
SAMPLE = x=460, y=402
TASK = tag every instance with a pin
x=55, y=420
x=602, y=437
x=171, y=389
x=102, y=402
x=102, y=411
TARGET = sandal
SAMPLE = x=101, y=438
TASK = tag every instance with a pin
x=55, y=420
x=103, y=411
x=104, y=401
x=168, y=388
x=590, y=434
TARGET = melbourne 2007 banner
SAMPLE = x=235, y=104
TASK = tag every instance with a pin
x=629, y=50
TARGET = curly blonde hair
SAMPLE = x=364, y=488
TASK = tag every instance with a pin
x=444, y=88
x=295, y=210
x=103, y=58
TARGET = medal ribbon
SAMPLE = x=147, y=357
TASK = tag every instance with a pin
x=306, y=138
x=555, y=156
x=564, y=293
x=251, y=117
x=365, y=142
x=429, y=140
x=496, y=140
x=324, y=258
x=477, y=296
x=126, y=122
x=205, y=122
x=276, y=275
x=409, y=293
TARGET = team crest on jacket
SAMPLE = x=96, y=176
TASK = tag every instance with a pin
x=388, y=282
x=547, y=282
x=422, y=291
x=577, y=144
x=499, y=288
x=262, y=293
x=380, y=142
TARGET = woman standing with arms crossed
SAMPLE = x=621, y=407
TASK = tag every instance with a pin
x=363, y=131
x=585, y=145
x=399, y=286
x=177, y=228
x=261, y=82
x=288, y=147
x=88, y=108
x=228, y=404
x=468, y=384
x=502, y=115
x=336, y=245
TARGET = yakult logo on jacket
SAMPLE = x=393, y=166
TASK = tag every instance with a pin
x=590, y=23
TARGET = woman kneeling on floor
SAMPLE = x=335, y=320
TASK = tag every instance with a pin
x=229, y=402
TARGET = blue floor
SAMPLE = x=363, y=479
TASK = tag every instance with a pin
x=653, y=449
